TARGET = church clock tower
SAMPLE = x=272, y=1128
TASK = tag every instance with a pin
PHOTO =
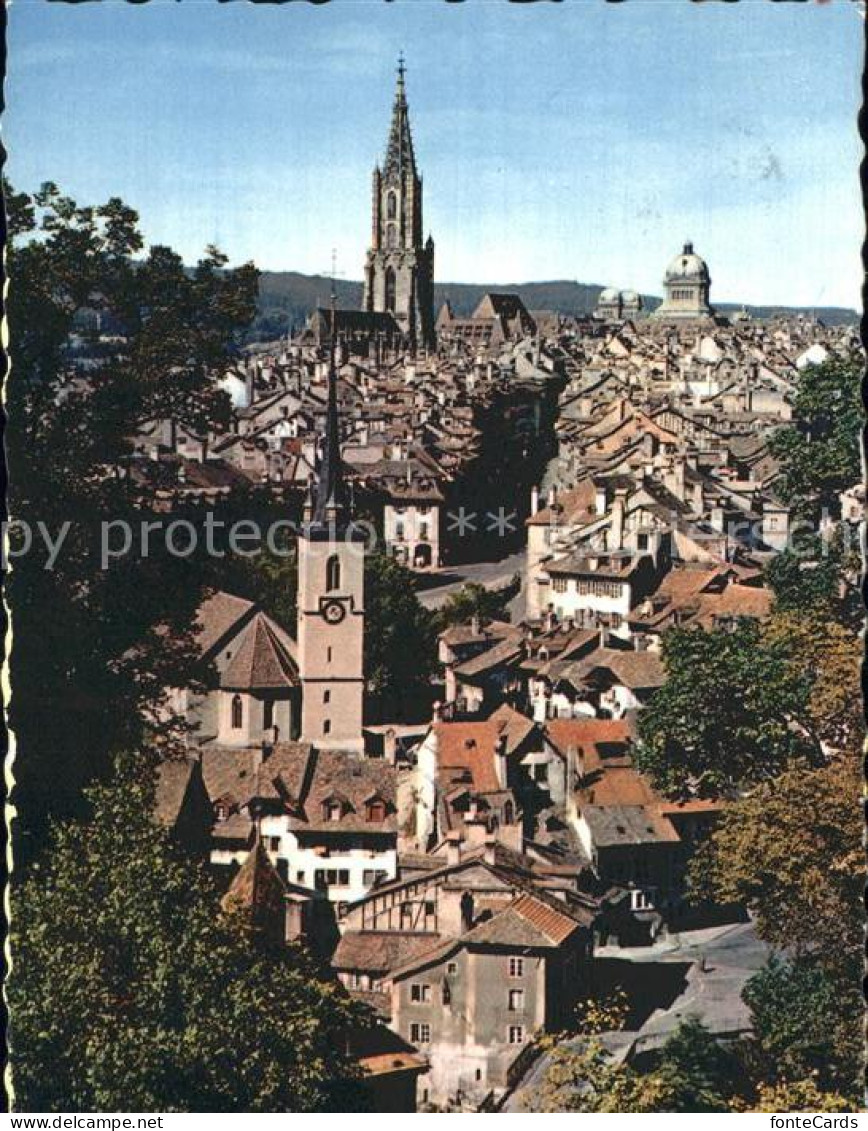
x=331, y=613
x=399, y=271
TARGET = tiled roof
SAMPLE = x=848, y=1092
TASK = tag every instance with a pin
x=354, y=780
x=239, y=774
x=574, y=506
x=514, y=725
x=587, y=734
x=380, y=952
x=738, y=601
x=173, y=778
x=501, y=653
x=262, y=658
x=256, y=885
x=217, y=615
x=528, y=921
x=633, y=669
x=626, y=823
x=470, y=747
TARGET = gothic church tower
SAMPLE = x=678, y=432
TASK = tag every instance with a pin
x=331, y=603
x=399, y=272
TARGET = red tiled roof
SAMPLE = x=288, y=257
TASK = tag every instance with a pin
x=468, y=746
x=555, y=924
x=587, y=733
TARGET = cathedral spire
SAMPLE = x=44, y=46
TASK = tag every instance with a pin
x=399, y=153
x=331, y=493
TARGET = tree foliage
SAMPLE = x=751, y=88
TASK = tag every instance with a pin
x=725, y=715
x=827, y=657
x=475, y=600
x=819, y=451
x=400, y=638
x=798, y=1095
x=695, y=1073
x=131, y=991
x=802, y=1026
x=819, y=577
x=791, y=851
x=87, y=659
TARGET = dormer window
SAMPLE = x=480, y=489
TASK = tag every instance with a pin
x=332, y=809
x=375, y=811
x=221, y=811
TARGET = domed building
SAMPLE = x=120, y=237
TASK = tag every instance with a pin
x=618, y=306
x=687, y=283
x=631, y=304
x=608, y=305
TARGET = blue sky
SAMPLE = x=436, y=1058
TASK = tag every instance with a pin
x=577, y=140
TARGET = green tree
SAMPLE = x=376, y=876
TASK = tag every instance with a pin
x=725, y=715
x=88, y=659
x=694, y=1074
x=819, y=451
x=820, y=577
x=827, y=657
x=400, y=638
x=806, y=1025
x=799, y=1095
x=791, y=851
x=475, y=600
x=580, y=1076
x=130, y=990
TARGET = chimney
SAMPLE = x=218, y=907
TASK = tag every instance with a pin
x=551, y=619
x=249, y=385
x=390, y=746
x=534, y=499
x=552, y=496
x=617, y=528
x=600, y=498
x=453, y=848
x=501, y=767
x=489, y=854
x=437, y=712
x=476, y=625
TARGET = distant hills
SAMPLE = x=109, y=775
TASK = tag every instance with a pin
x=287, y=298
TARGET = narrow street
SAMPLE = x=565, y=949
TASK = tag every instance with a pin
x=437, y=585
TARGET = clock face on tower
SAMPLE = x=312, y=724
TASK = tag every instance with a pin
x=333, y=612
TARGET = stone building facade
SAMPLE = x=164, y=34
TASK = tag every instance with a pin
x=399, y=271
x=687, y=283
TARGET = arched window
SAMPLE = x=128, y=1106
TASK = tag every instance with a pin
x=237, y=712
x=508, y=813
x=390, y=290
x=333, y=574
x=391, y=206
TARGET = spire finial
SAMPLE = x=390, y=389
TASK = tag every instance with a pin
x=399, y=150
